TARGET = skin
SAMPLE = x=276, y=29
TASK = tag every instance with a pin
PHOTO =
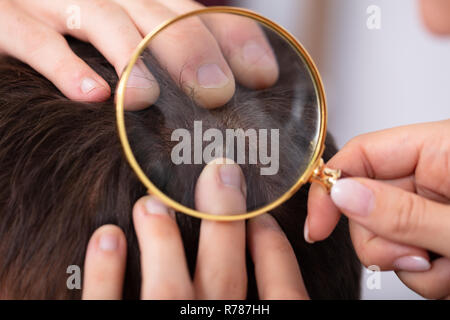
x=405, y=170
x=436, y=15
x=221, y=268
x=33, y=31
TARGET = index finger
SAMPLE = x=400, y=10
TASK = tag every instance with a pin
x=390, y=154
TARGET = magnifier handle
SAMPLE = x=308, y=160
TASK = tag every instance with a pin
x=327, y=177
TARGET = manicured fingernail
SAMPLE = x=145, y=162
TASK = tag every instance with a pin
x=108, y=242
x=154, y=206
x=306, y=233
x=230, y=175
x=255, y=54
x=210, y=76
x=268, y=221
x=140, y=78
x=412, y=263
x=352, y=197
x=88, y=84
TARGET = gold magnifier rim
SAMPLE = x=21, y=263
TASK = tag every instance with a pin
x=314, y=73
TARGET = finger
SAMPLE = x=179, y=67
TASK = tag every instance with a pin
x=107, y=27
x=365, y=156
x=243, y=43
x=221, y=266
x=387, y=255
x=104, y=266
x=246, y=49
x=394, y=214
x=409, y=184
x=277, y=272
x=165, y=273
x=432, y=284
x=435, y=14
x=48, y=53
x=188, y=51
x=323, y=216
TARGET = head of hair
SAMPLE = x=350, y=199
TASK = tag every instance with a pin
x=63, y=174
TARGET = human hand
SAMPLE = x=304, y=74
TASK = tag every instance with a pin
x=436, y=15
x=400, y=207
x=206, y=55
x=221, y=261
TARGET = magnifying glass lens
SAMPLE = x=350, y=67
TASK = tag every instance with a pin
x=223, y=86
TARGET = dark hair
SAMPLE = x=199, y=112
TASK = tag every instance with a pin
x=63, y=174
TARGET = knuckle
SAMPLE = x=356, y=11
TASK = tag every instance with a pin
x=183, y=33
x=365, y=257
x=353, y=142
x=102, y=4
x=153, y=6
x=37, y=40
x=357, y=143
x=106, y=7
x=442, y=164
x=238, y=32
x=407, y=217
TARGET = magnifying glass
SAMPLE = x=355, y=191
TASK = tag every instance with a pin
x=275, y=133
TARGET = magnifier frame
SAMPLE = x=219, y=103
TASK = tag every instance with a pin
x=312, y=172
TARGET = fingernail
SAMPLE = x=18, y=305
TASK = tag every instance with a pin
x=412, y=263
x=154, y=206
x=140, y=78
x=230, y=175
x=108, y=242
x=255, y=54
x=268, y=221
x=210, y=76
x=306, y=233
x=88, y=84
x=352, y=197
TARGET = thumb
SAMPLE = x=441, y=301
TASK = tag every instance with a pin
x=395, y=214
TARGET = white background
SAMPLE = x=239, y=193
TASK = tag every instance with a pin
x=374, y=79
